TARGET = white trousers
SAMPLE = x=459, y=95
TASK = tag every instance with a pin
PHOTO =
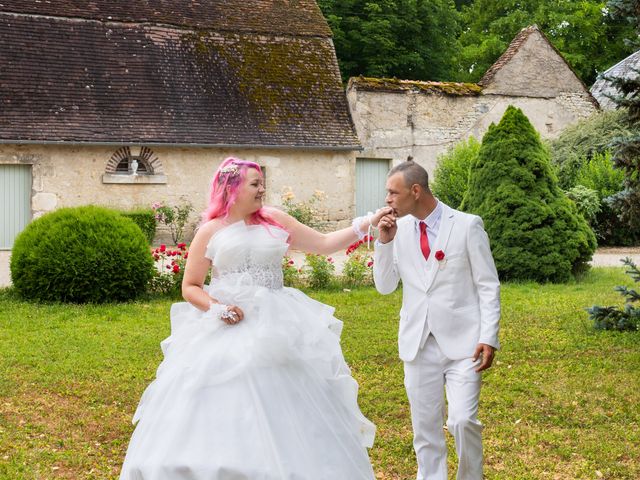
x=425, y=379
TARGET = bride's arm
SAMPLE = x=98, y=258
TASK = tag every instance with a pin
x=308, y=240
x=197, y=267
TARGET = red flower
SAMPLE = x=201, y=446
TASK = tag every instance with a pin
x=163, y=247
x=168, y=267
x=290, y=262
x=186, y=255
x=439, y=255
x=176, y=268
x=329, y=259
x=156, y=256
x=182, y=246
x=370, y=264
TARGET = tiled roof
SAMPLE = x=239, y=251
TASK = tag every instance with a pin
x=286, y=17
x=627, y=68
x=394, y=85
x=78, y=80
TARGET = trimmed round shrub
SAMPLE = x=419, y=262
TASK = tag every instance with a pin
x=536, y=232
x=79, y=255
x=451, y=177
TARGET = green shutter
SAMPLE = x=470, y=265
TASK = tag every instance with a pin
x=371, y=178
x=15, y=202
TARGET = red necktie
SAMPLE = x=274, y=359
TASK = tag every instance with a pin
x=424, y=241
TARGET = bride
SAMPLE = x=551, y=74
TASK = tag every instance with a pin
x=253, y=385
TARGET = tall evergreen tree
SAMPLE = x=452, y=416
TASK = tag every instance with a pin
x=535, y=230
x=627, y=149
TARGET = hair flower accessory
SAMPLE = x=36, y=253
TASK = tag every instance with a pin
x=231, y=169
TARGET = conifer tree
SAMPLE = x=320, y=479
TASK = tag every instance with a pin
x=536, y=232
x=627, y=149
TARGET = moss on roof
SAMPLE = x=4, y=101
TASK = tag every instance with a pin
x=394, y=85
x=282, y=81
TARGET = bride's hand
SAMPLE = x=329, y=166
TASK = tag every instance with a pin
x=381, y=212
x=235, y=315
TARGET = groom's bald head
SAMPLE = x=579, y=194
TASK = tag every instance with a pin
x=412, y=173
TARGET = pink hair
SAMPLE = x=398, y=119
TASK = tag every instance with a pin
x=224, y=191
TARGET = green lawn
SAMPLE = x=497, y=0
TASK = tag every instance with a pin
x=562, y=401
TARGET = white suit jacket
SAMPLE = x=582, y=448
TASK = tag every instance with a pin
x=457, y=299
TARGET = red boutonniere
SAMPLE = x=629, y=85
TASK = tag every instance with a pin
x=439, y=255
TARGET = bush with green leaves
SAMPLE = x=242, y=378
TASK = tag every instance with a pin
x=79, y=255
x=320, y=270
x=599, y=174
x=357, y=270
x=580, y=142
x=616, y=318
x=175, y=217
x=291, y=274
x=145, y=219
x=306, y=212
x=169, y=270
x=451, y=176
x=586, y=200
x=536, y=232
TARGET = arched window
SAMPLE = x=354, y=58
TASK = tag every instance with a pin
x=127, y=161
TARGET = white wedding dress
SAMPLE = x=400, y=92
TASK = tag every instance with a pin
x=270, y=398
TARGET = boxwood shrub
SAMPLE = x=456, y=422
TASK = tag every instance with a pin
x=82, y=254
x=145, y=219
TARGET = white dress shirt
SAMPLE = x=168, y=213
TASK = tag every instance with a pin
x=433, y=225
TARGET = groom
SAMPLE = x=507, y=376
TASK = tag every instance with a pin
x=449, y=316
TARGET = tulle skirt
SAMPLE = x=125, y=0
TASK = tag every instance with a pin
x=270, y=398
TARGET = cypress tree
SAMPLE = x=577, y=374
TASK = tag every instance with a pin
x=536, y=232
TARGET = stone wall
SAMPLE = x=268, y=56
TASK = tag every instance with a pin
x=74, y=175
x=394, y=125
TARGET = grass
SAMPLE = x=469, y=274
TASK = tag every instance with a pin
x=561, y=401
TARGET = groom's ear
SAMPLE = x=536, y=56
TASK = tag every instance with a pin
x=416, y=190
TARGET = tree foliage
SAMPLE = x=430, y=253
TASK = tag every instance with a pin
x=585, y=32
x=451, y=176
x=583, y=140
x=535, y=230
x=627, y=148
x=615, y=318
x=412, y=39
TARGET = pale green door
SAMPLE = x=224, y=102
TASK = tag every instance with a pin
x=371, y=177
x=15, y=202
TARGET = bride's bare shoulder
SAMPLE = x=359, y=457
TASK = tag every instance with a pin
x=207, y=230
x=278, y=215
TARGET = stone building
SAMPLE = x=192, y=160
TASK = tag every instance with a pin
x=398, y=118
x=603, y=89
x=89, y=89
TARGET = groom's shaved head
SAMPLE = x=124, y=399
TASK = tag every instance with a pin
x=412, y=173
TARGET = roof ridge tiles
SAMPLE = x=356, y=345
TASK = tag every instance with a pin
x=158, y=25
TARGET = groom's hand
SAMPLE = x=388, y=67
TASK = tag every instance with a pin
x=388, y=228
x=486, y=352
